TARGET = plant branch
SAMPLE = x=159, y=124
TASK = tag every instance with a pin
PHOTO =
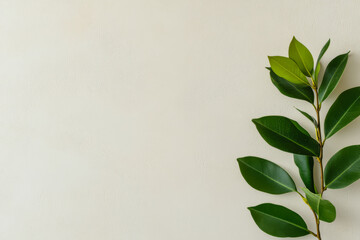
x=315, y=216
x=320, y=157
x=319, y=139
x=318, y=228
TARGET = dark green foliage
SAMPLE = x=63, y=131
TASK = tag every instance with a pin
x=308, y=116
x=332, y=76
x=343, y=168
x=296, y=76
x=306, y=170
x=278, y=221
x=344, y=110
x=292, y=90
x=287, y=135
x=266, y=176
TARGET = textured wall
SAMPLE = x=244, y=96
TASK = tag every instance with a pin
x=123, y=119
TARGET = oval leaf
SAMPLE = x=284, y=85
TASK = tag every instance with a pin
x=332, y=75
x=324, y=208
x=278, y=221
x=344, y=110
x=265, y=176
x=287, y=135
x=286, y=68
x=343, y=168
x=306, y=170
x=292, y=90
x=301, y=56
x=317, y=69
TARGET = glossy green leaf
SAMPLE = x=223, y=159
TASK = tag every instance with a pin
x=306, y=170
x=265, y=176
x=344, y=110
x=308, y=116
x=278, y=221
x=323, y=208
x=301, y=56
x=343, y=168
x=318, y=66
x=286, y=68
x=287, y=135
x=332, y=75
x=292, y=90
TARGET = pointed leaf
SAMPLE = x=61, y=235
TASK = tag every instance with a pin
x=308, y=116
x=324, y=208
x=278, y=221
x=265, y=176
x=292, y=90
x=287, y=135
x=343, y=168
x=322, y=52
x=344, y=110
x=301, y=56
x=306, y=170
x=332, y=75
x=286, y=68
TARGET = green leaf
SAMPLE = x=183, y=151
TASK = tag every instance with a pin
x=300, y=128
x=292, y=90
x=287, y=135
x=343, y=168
x=306, y=170
x=344, y=110
x=278, y=221
x=324, y=208
x=301, y=56
x=332, y=75
x=308, y=116
x=317, y=69
x=265, y=176
x=286, y=68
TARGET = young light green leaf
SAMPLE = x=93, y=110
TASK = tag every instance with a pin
x=286, y=68
x=306, y=170
x=287, y=135
x=265, y=175
x=278, y=221
x=308, y=116
x=344, y=110
x=332, y=76
x=292, y=90
x=301, y=56
x=343, y=168
x=323, y=208
x=318, y=66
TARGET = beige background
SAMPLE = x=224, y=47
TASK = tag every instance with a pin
x=123, y=119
